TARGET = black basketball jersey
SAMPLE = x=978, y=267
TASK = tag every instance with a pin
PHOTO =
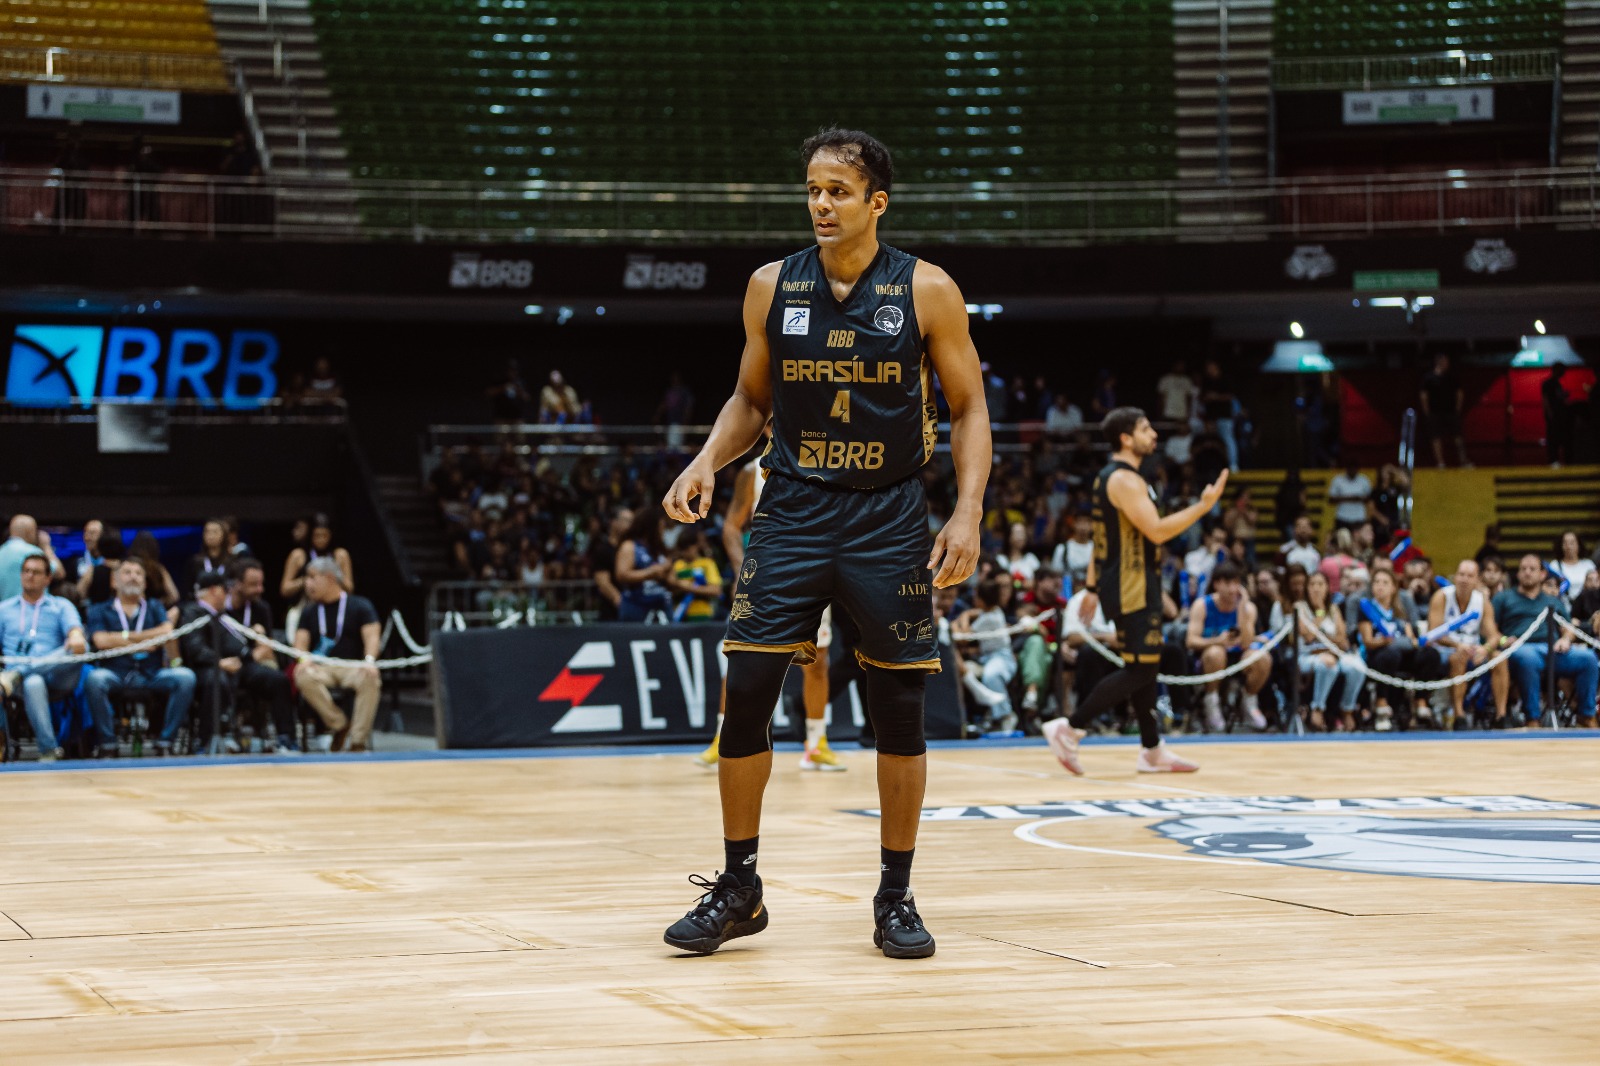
x=852, y=388
x=1127, y=567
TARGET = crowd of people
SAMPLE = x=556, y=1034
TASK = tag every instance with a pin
x=115, y=595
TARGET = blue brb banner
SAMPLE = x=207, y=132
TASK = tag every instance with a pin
x=53, y=365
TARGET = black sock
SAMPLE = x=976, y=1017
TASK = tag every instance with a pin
x=741, y=859
x=896, y=871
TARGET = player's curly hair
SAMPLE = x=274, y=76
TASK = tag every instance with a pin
x=861, y=150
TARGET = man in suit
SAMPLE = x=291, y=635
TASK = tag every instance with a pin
x=223, y=665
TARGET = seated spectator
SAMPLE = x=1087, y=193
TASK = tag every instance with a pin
x=1419, y=582
x=130, y=618
x=339, y=625
x=1265, y=591
x=1064, y=417
x=1302, y=548
x=1364, y=543
x=324, y=387
x=212, y=557
x=23, y=542
x=83, y=566
x=643, y=569
x=320, y=544
x=1325, y=654
x=1222, y=626
x=100, y=585
x=1573, y=561
x=1017, y=560
x=1086, y=665
x=1072, y=555
x=988, y=671
x=145, y=549
x=1490, y=545
x=1389, y=641
x=1515, y=609
x=1241, y=521
x=1586, y=607
x=558, y=402
x=35, y=624
x=247, y=606
x=1042, y=602
x=1492, y=574
x=1199, y=563
x=223, y=664
x=1340, y=556
x=696, y=578
x=1349, y=491
x=603, y=562
x=1467, y=646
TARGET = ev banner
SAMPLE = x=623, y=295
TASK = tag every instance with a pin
x=611, y=684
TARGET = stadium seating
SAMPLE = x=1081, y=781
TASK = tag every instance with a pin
x=1384, y=27
x=133, y=42
x=701, y=91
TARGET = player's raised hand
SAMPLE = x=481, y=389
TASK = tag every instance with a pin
x=1213, y=491
x=697, y=482
x=955, y=552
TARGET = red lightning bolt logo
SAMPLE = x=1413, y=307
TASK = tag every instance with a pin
x=574, y=688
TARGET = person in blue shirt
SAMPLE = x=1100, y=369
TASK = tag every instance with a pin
x=1515, y=609
x=1222, y=626
x=22, y=543
x=127, y=619
x=34, y=624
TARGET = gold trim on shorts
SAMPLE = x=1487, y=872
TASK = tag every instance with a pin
x=805, y=652
x=1156, y=658
x=931, y=665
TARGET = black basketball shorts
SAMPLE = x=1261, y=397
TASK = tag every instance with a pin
x=1140, y=633
x=866, y=550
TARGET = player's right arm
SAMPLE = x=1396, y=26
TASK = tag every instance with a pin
x=737, y=520
x=1130, y=495
x=738, y=425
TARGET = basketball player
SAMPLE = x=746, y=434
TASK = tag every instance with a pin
x=814, y=693
x=1126, y=576
x=1467, y=646
x=841, y=343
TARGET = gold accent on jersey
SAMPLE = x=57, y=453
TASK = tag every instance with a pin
x=893, y=290
x=840, y=455
x=1130, y=561
x=841, y=338
x=930, y=413
x=841, y=371
x=799, y=286
x=805, y=652
x=933, y=666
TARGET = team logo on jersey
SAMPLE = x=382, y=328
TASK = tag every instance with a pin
x=889, y=319
x=796, y=321
x=747, y=572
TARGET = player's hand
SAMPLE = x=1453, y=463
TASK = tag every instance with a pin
x=697, y=480
x=1213, y=491
x=955, y=551
x=1086, y=609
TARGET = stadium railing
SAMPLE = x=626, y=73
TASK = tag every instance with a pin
x=140, y=70
x=1455, y=68
x=476, y=604
x=294, y=208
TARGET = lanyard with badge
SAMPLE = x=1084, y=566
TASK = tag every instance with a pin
x=29, y=631
x=138, y=625
x=326, y=643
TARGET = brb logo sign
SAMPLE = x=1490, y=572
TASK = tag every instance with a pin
x=59, y=365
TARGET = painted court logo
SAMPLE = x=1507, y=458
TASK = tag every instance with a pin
x=54, y=364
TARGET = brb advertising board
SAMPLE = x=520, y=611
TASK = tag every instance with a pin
x=57, y=365
x=609, y=684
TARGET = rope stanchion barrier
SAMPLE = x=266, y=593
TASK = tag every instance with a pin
x=1197, y=679
x=312, y=657
x=1580, y=634
x=1466, y=678
x=1026, y=624
x=59, y=659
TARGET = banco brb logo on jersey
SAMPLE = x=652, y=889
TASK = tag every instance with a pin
x=52, y=365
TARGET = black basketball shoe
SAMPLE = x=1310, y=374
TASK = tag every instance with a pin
x=727, y=910
x=900, y=932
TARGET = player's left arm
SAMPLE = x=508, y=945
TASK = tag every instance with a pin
x=942, y=313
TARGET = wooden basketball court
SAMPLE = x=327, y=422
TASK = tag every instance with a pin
x=510, y=911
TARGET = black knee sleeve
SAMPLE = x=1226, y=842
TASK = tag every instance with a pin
x=894, y=702
x=755, y=681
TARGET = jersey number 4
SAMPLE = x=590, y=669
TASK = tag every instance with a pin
x=841, y=406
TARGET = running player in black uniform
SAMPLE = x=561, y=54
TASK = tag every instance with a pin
x=1125, y=574
x=841, y=344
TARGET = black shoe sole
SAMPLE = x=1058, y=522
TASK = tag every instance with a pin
x=894, y=951
x=706, y=945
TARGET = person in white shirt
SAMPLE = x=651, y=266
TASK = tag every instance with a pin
x=990, y=663
x=1063, y=417
x=1572, y=561
x=1072, y=555
x=1087, y=665
x=1178, y=392
x=1468, y=646
x=1018, y=561
x=1349, y=492
x=1302, y=548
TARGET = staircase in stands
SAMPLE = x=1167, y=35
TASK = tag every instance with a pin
x=275, y=46
x=415, y=517
x=1580, y=84
x=1263, y=486
x=1223, y=56
x=1534, y=506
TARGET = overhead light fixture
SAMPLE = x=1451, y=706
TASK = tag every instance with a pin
x=1538, y=326
x=1297, y=329
x=1546, y=351
x=1297, y=357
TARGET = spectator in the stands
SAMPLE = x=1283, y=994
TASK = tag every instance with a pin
x=1324, y=647
x=1419, y=582
x=1586, y=607
x=212, y=557
x=1573, y=561
x=1043, y=602
x=1354, y=582
x=324, y=386
x=1340, y=555
x=1241, y=521
x=1385, y=503
x=223, y=664
x=1389, y=640
x=1064, y=417
x=643, y=568
x=1222, y=625
x=100, y=585
x=339, y=625
x=1179, y=394
x=1302, y=549
x=1085, y=666
x=1104, y=400
x=676, y=409
x=1491, y=543
x=1218, y=406
x=1208, y=452
x=247, y=605
x=130, y=618
x=320, y=544
x=84, y=565
x=1364, y=543
x=25, y=540
x=1200, y=562
x=35, y=624
x=1492, y=573
x=1516, y=608
x=989, y=663
x=1557, y=417
x=1348, y=492
x=603, y=563
x=1470, y=644
x=558, y=402
x=1442, y=405
x=697, y=576
x=1289, y=502
x=1017, y=560
x=158, y=581
x=1072, y=555
x=509, y=397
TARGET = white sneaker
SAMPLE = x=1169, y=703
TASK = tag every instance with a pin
x=1252, y=713
x=1214, y=722
x=1063, y=741
x=1160, y=760
x=1384, y=721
